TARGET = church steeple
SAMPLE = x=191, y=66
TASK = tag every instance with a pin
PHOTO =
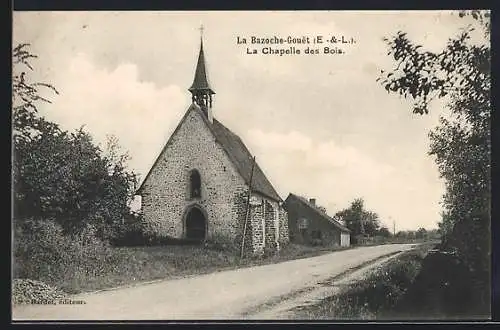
x=200, y=89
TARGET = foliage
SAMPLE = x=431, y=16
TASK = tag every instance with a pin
x=130, y=232
x=60, y=175
x=421, y=233
x=440, y=290
x=460, y=74
x=219, y=242
x=358, y=220
x=410, y=234
x=374, y=295
x=43, y=252
x=34, y=292
x=322, y=209
x=73, y=272
x=64, y=177
x=26, y=96
x=384, y=232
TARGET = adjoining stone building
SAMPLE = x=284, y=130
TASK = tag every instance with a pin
x=198, y=187
x=308, y=224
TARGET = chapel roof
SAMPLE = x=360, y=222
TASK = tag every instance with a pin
x=236, y=151
x=232, y=144
x=200, y=82
x=243, y=159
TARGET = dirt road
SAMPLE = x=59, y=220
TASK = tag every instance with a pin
x=235, y=294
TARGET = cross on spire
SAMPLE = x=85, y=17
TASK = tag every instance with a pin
x=200, y=89
x=201, y=30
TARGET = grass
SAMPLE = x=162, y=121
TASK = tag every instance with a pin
x=140, y=264
x=417, y=285
x=444, y=289
x=82, y=263
x=374, y=296
x=133, y=265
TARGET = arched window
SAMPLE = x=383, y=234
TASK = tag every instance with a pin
x=195, y=184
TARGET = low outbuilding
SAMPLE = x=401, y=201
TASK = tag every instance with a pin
x=310, y=224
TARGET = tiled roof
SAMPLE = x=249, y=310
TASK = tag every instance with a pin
x=242, y=159
x=237, y=152
x=200, y=81
x=306, y=202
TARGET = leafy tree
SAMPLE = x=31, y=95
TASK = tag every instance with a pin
x=371, y=223
x=421, y=233
x=64, y=176
x=406, y=234
x=322, y=209
x=400, y=234
x=433, y=234
x=358, y=220
x=460, y=75
x=26, y=96
x=384, y=232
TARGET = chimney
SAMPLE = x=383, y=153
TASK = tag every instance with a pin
x=312, y=201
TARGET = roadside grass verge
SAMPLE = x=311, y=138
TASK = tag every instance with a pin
x=444, y=289
x=277, y=300
x=142, y=264
x=132, y=265
x=78, y=268
x=374, y=296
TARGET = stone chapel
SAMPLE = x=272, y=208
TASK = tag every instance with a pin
x=205, y=184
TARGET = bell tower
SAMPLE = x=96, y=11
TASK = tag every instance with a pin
x=201, y=92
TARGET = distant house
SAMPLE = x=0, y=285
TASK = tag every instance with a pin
x=309, y=224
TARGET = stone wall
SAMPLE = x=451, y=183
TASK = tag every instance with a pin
x=265, y=222
x=284, y=237
x=257, y=229
x=270, y=224
x=166, y=191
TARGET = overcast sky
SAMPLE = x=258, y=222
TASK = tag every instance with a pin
x=319, y=125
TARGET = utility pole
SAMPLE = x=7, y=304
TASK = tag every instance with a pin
x=394, y=227
x=248, y=211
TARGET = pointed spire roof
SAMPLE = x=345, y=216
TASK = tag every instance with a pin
x=200, y=82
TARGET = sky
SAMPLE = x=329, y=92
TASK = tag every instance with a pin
x=320, y=125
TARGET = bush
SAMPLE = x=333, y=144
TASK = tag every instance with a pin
x=220, y=242
x=444, y=288
x=270, y=250
x=381, y=290
x=43, y=252
x=65, y=177
x=34, y=292
x=283, y=242
x=377, y=294
x=130, y=233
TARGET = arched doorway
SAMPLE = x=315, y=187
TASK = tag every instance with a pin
x=195, y=225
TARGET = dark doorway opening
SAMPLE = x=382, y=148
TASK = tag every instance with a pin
x=196, y=225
